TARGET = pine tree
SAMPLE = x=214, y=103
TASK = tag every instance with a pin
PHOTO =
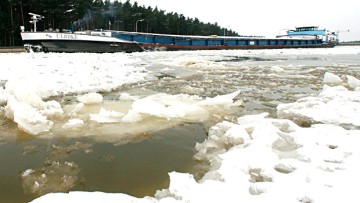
x=96, y=14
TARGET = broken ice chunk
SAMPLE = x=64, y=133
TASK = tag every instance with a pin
x=90, y=98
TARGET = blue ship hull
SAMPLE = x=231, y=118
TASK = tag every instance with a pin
x=151, y=41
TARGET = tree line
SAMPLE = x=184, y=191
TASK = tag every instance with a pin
x=97, y=14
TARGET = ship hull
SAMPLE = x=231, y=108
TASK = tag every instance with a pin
x=164, y=42
x=71, y=43
x=166, y=47
x=89, y=46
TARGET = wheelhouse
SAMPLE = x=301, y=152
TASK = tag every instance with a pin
x=309, y=30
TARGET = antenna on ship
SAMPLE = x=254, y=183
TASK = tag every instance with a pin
x=337, y=33
x=35, y=18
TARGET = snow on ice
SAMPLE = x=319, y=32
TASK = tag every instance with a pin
x=334, y=105
x=258, y=159
x=35, y=116
x=25, y=88
x=59, y=74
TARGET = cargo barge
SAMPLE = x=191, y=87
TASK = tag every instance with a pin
x=103, y=41
x=302, y=37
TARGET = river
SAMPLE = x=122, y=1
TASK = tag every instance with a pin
x=136, y=157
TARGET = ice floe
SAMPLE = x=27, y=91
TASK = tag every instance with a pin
x=334, y=105
x=353, y=82
x=32, y=115
x=260, y=159
x=330, y=78
x=35, y=116
x=91, y=98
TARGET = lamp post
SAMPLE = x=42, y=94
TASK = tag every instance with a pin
x=226, y=30
x=12, y=24
x=136, y=24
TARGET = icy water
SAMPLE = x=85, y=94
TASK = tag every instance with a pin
x=138, y=168
x=135, y=158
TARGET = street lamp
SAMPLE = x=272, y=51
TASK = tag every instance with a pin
x=136, y=24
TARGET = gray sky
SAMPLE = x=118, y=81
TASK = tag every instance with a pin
x=269, y=18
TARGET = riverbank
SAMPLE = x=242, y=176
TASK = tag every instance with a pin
x=11, y=49
x=349, y=44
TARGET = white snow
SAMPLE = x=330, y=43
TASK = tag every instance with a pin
x=310, y=153
x=334, y=105
x=30, y=79
x=57, y=74
x=91, y=197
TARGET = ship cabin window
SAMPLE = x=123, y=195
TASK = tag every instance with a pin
x=301, y=29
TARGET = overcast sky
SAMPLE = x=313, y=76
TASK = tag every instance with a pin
x=269, y=17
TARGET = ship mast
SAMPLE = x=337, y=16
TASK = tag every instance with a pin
x=35, y=18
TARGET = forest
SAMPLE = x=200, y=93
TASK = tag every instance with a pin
x=97, y=14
